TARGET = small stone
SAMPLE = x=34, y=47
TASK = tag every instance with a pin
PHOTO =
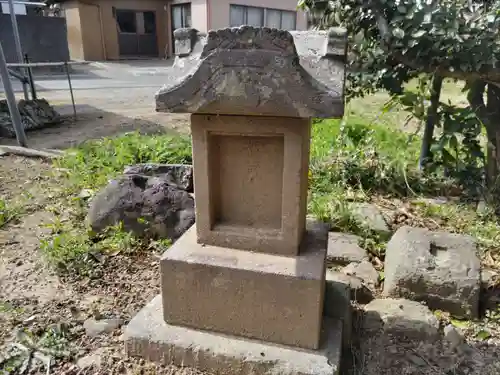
x=359, y=292
x=92, y=360
x=364, y=270
x=369, y=216
x=343, y=248
x=96, y=327
x=401, y=317
x=453, y=335
x=487, y=276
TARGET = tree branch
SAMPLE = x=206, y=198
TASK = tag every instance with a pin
x=492, y=76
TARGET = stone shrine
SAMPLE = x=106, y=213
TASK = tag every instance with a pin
x=242, y=290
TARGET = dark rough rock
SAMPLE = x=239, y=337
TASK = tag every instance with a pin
x=400, y=317
x=370, y=217
x=35, y=114
x=295, y=74
x=364, y=271
x=336, y=282
x=343, y=249
x=439, y=268
x=147, y=206
x=179, y=175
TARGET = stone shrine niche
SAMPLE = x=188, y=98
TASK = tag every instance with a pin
x=249, y=268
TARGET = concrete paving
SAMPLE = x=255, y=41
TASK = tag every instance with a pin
x=102, y=76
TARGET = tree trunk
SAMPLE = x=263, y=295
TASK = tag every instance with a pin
x=492, y=125
x=430, y=123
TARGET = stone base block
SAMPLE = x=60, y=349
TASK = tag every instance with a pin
x=149, y=337
x=255, y=295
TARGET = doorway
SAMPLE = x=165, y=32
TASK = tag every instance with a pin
x=181, y=17
x=136, y=33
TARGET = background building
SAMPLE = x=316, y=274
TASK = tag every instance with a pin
x=121, y=29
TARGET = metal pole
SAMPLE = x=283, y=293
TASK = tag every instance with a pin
x=66, y=67
x=30, y=77
x=15, y=116
x=17, y=40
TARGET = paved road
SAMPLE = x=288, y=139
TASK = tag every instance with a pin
x=103, y=76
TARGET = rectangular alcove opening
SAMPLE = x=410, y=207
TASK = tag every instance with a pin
x=246, y=181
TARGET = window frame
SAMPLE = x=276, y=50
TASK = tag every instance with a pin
x=264, y=15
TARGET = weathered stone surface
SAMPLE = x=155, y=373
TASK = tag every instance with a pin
x=96, y=327
x=488, y=276
x=179, y=175
x=364, y=270
x=453, y=335
x=337, y=303
x=35, y=114
x=250, y=294
x=259, y=71
x=439, y=268
x=185, y=40
x=401, y=317
x=369, y=216
x=147, y=206
x=337, y=281
x=343, y=249
x=149, y=337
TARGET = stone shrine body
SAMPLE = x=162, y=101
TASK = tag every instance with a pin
x=248, y=271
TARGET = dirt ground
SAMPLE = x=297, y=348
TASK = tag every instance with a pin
x=33, y=297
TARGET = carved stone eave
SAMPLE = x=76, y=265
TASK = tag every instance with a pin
x=259, y=71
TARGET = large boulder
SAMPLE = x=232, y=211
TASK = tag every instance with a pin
x=147, y=206
x=35, y=114
x=439, y=268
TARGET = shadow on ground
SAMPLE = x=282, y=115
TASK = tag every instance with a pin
x=94, y=123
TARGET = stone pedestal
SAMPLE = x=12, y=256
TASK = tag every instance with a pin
x=248, y=268
x=261, y=296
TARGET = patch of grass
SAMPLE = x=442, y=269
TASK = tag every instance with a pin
x=8, y=212
x=355, y=161
x=93, y=163
x=83, y=171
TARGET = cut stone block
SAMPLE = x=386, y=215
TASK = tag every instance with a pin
x=364, y=271
x=273, y=298
x=439, y=268
x=359, y=291
x=343, y=249
x=149, y=337
x=337, y=303
x=251, y=178
x=401, y=317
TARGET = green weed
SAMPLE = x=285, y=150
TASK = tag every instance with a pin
x=8, y=212
x=93, y=163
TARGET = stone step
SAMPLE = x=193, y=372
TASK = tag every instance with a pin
x=148, y=336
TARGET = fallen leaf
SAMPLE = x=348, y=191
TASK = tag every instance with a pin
x=483, y=335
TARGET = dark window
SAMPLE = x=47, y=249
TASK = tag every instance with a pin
x=149, y=23
x=244, y=15
x=126, y=20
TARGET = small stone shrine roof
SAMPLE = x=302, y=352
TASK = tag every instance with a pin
x=257, y=71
